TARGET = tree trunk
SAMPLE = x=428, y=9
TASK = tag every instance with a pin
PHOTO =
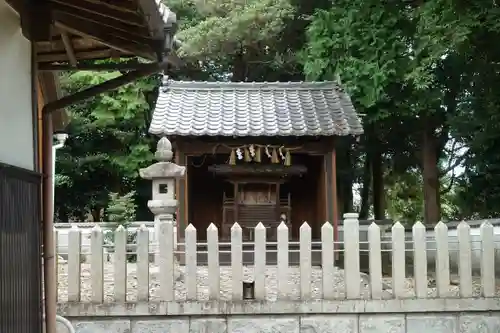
x=96, y=214
x=430, y=173
x=239, y=68
x=378, y=184
x=365, y=191
x=348, y=181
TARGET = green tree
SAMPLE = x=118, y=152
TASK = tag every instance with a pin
x=107, y=144
x=403, y=64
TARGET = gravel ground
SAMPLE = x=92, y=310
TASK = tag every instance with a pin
x=225, y=284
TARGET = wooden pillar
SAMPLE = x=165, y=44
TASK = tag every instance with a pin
x=236, y=201
x=181, y=196
x=331, y=195
x=335, y=208
x=186, y=194
x=278, y=208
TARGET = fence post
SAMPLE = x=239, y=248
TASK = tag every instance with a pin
x=464, y=259
x=398, y=260
x=305, y=261
x=56, y=260
x=96, y=265
x=375, y=259
x=120, y=264
x=74, y=266
x=487, y=259
x=419, y=236
x=213, y=262
x=442, y=260
x=237, y=261
x=260, y=261
x=282, y=231
x=166, y=261
x=143, y=264
x=191, y=263
x=351, y=256
x=327, y=259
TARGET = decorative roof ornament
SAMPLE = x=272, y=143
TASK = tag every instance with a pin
x=164, y=150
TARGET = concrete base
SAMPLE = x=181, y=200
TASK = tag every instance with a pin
x=391, y=316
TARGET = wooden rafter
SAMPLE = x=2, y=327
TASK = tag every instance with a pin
x=110, y=40
x=114, y=23
x=113, y=13
x=120, y=5
x=97, y=29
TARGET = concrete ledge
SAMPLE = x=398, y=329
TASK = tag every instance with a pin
x=222, y=308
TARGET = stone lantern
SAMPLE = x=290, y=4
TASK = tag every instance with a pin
x=163, y=175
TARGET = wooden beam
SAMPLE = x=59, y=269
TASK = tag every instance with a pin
x=126, y=66
x=196, y=147
x=81, y=55
x=56, y=43
x=103, y=87
x=69, y=48
x=35, y=19
x=260, y=169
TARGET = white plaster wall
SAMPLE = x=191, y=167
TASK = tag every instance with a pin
x=16, y=119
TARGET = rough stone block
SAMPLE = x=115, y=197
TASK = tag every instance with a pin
x=213, y=325
x=382, y=323
x=436, y=323
x=479, y=324
x=102, y=326
x=161, y=326
x=329, y=324
x=263, y=325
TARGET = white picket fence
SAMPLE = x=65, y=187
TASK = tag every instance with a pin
x=166, y=264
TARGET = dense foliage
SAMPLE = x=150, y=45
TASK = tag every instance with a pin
x=423, y=75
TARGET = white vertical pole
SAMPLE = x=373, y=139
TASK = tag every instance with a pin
x=54, y=151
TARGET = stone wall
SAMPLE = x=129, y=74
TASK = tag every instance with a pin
x=349, y=316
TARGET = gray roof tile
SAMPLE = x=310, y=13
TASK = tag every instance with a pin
x=254, y=109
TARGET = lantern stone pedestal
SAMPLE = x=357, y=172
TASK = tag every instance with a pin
x=163, y=204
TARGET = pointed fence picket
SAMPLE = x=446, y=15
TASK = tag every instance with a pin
x=191, y=263
x=327, y=260
x=375, y=257
x=237, y=261
x=419, y=236
x=413, y=249
x=260, y=261
x=464, y=260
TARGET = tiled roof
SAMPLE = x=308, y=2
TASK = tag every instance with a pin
x=168, y=16
x=254, y=109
